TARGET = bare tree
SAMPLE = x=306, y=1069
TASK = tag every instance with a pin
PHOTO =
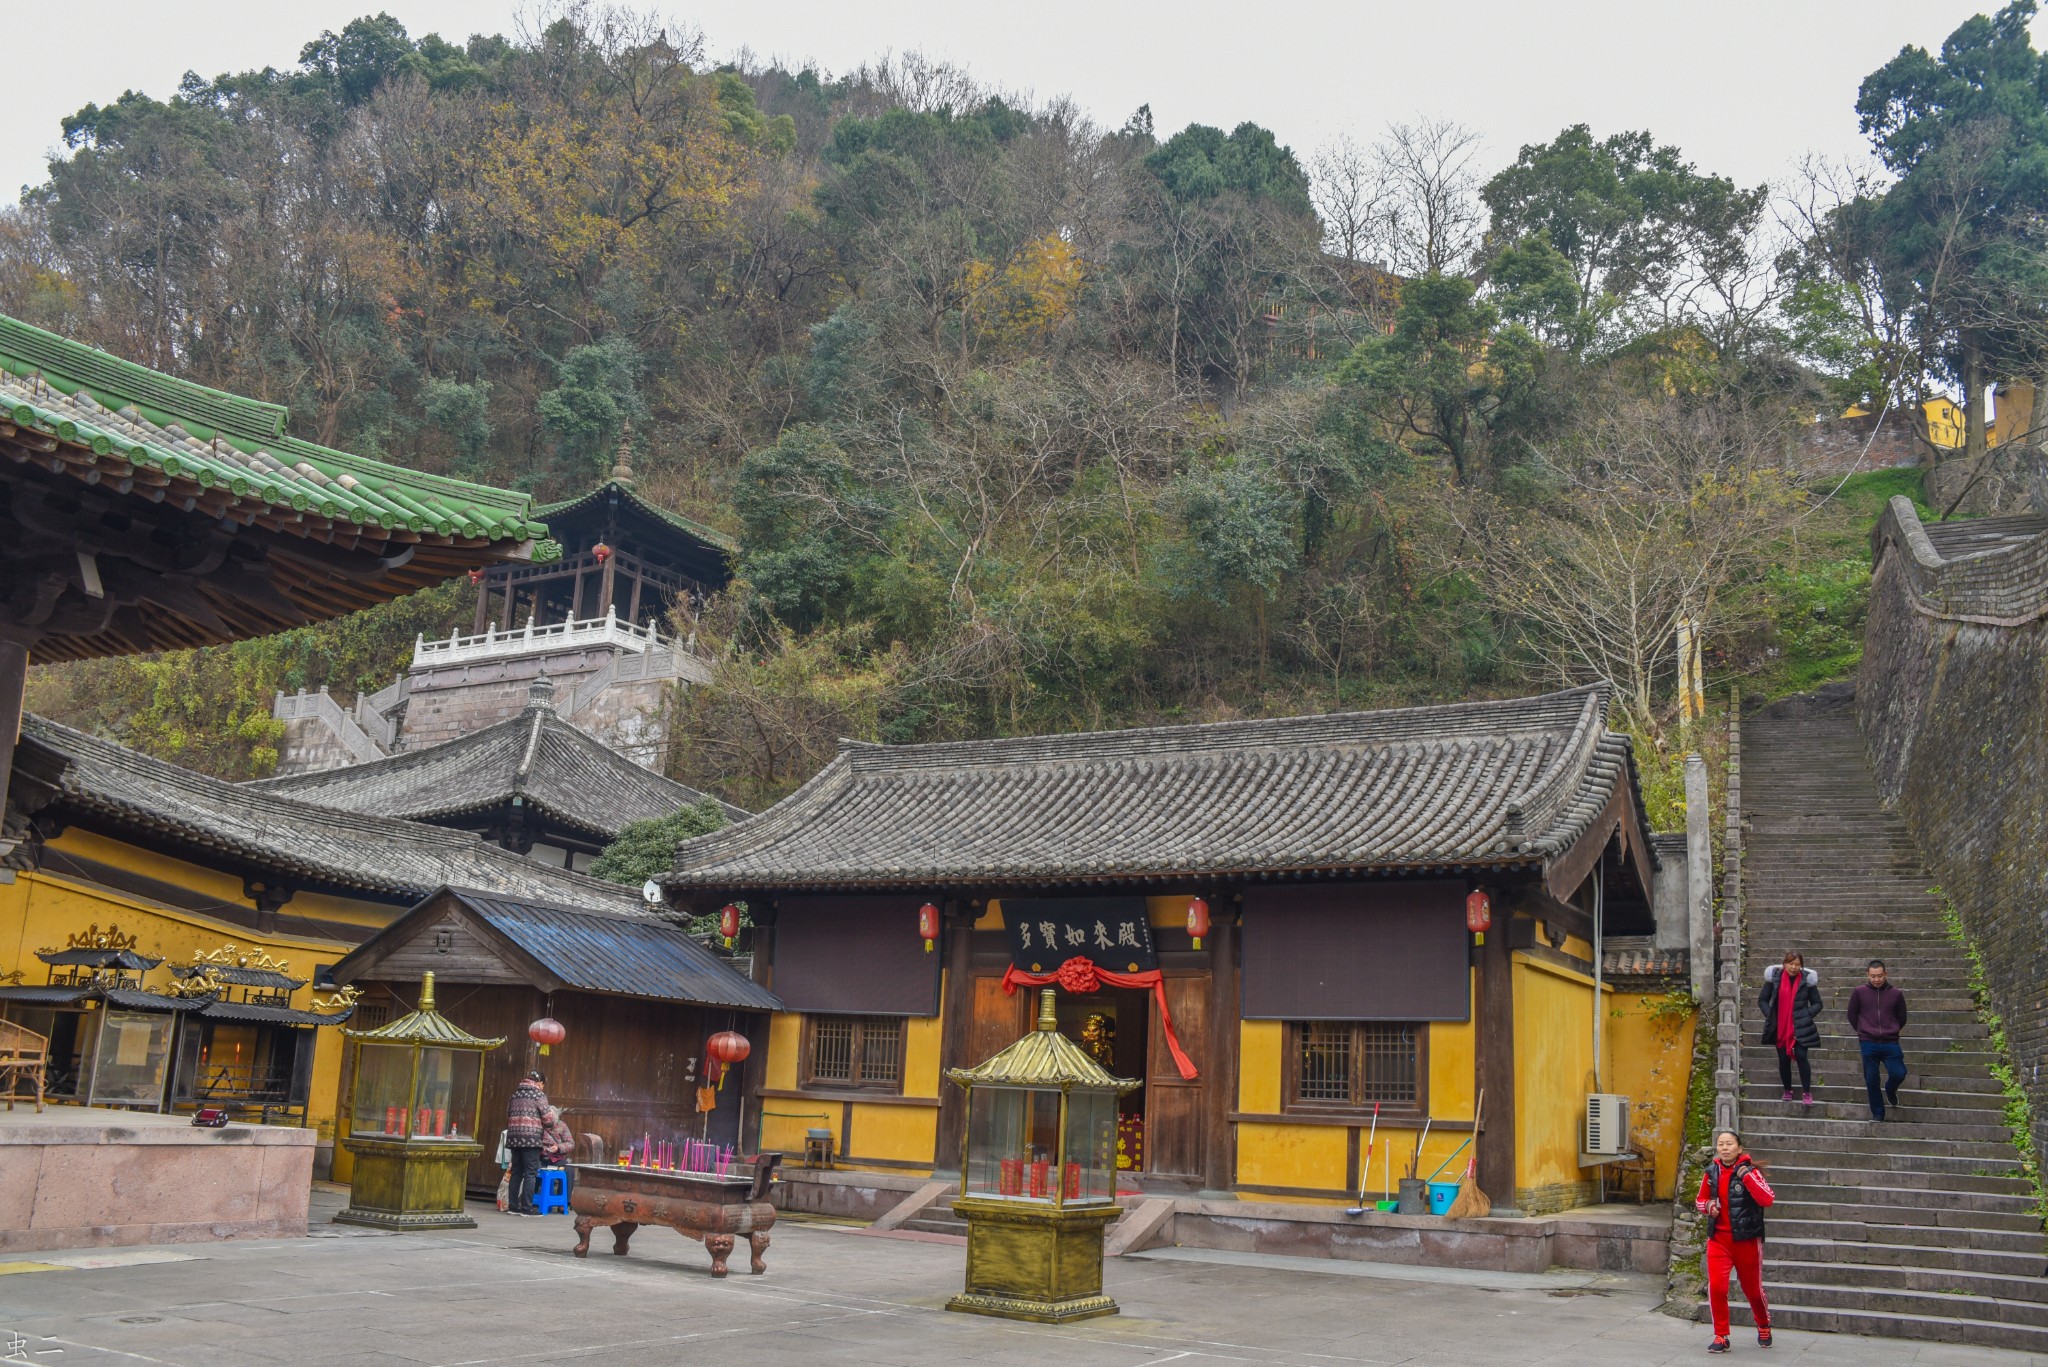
x=1429, y=194
x=1350, y=198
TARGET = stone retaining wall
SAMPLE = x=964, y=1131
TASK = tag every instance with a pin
x=1953, y=704
x=78, y=1178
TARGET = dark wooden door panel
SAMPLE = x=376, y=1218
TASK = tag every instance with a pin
x=1175, y=1106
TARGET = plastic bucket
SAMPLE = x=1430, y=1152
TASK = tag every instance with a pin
x=1441, y=1194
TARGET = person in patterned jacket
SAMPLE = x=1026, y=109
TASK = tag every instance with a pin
x=525, y=1134
x=1733, y=1196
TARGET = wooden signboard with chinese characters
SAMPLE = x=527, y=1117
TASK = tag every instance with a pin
x=1112, y=932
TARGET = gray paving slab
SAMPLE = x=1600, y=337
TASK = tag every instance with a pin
x=508, y=1294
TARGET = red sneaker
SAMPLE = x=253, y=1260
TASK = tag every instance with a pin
x=1763, y=1337
x=1719, y=1345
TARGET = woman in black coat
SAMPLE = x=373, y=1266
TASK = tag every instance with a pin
x=1790, y=1003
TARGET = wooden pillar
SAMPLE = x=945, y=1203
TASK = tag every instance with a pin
x=483, y=606
x=633, y=612
x=1496, y=1039
x=956, y=1025
x=604, y=585
x=13, y=681
x=505, y=614
x=1219, y=1164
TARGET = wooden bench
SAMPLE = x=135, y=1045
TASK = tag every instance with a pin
x=23, y=1055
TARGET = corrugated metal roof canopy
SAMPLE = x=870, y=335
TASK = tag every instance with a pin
x=632, y=956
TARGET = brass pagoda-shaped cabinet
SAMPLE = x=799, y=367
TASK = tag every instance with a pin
x=412, y=1120
x=1038, y=1178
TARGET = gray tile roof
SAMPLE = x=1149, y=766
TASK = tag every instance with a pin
x=378, y=855
x=570, y=777
x=638, y=956
x=1482, y=784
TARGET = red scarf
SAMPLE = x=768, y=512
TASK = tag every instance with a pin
x=1788, y=992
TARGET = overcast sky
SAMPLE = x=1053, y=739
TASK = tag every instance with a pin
x=1743, y=86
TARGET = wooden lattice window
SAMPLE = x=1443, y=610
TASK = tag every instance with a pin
x=854, y=1051
x=1350, y=1065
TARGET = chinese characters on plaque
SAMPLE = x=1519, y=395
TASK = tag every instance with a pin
x=1110, y=932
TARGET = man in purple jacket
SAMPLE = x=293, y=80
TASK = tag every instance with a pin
x=1877, y=1013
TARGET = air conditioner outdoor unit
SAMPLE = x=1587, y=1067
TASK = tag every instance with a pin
x=1606, y=1123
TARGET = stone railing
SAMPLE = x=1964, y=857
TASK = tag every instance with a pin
x=375, y=712
x=1728, y=992
x=2004, y=586
x=319, y=706
x=493, y=644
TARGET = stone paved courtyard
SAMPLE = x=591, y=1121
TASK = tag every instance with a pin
x=509, y=1293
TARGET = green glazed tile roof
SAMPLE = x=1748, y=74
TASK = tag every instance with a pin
x=86, y=398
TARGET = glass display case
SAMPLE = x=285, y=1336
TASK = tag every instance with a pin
x=424, y=1092
x=412, y=1109
x=1038, y=1177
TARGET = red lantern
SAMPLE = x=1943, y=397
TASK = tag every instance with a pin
x=729, y=923
x=1479, y=913
x=724, y=1049
x=1198, y=919
x=476, y=576
x=928, y=924
x=602, y=552
x=545, y=1031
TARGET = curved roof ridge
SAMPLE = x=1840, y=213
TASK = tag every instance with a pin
x=1389, y=726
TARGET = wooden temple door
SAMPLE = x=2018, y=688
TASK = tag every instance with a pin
x=1175, y=1107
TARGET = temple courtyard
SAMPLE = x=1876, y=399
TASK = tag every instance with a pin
x=509, y=1292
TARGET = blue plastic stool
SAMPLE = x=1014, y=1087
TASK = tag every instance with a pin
x=551, y=1191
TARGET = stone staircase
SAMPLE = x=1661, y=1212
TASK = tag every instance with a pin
x=1921, y=1227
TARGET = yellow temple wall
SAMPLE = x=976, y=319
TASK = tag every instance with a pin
x=1305, y=1158
x=1553, y=1073
x=1649, y=1061
x=42, y=909
x=895, y=1133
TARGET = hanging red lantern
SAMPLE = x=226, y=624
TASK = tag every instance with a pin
x=729, y=923
x=724, y=1049
x=928, y=924
x=476, y=576
x=1198, y=919
x=1479, y=913
x=546, y=1031
x=602, y=552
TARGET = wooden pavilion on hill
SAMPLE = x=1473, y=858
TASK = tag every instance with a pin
x=534, y=785
x=1335, y=978
x=144, y=512
x=622, y=556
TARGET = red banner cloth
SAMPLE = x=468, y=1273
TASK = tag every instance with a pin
x=1081, y=975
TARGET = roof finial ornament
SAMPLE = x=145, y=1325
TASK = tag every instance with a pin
x=622, y=467
x=540, y=693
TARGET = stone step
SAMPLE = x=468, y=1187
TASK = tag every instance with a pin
x=1860, y=1256
x=1794, y=1141
x=1930, y=1305
x=1862, y=1131
x=1851, y=1167
x=1903, y=1199
x=1762, y=1088
x=2026, y=1287
x=1881, y=1219
x=1787, y=1178
x=1979, y=1333
x=1937, y=1238
x=935, y=1224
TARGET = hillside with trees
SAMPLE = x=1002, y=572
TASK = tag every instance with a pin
x=1028, y=422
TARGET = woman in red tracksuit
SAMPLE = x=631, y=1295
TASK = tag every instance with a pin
x=1733, y=1197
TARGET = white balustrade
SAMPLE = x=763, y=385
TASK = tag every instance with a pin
x=493, y=644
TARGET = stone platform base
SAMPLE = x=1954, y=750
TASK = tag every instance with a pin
x=1593, y=1238
x=1611, y=1238
x=74, y=1177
